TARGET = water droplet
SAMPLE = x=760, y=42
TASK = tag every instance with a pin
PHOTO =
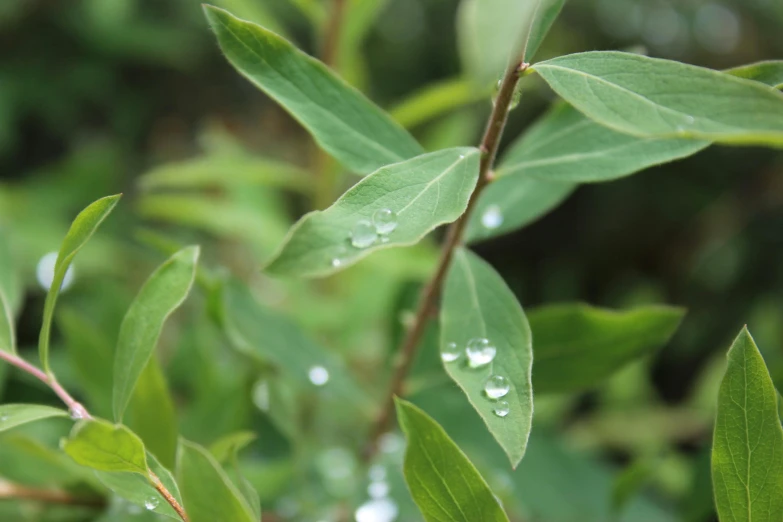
x=261, y=395
x=450, y=352
x=378, y=489
x=318, y=375
x=151, y=503
x=496, y=387
x=385, y=221
x=461, y=156
x=492, y=217
x=377, y=510
x=377, y=473
x=390, y=443
x=480, y=352
x=501, y=409
x=44, y=272
x=336, y=262
x=363, y=234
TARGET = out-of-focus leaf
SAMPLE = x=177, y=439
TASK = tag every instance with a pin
x=343, y=122
x=441, y=479
x=578, y=346
x=747, y=450
x=223, y=448
x=493, y=33
x=226, y=170
x=769, y=72
x=104, y=446
x=568, y=147
x=152, y=415
x=10, y=281
x=512, y=202
x=30, y=462
x=358, y=17
x=269, y=336
x=139, y=489
x=83, y=227
x=255, y=12
x=628, y=483
x=162, y=293
x=486, y=348
x=13, y=415
x=666, y=99
x=7, y=336
x=435, y=100
x=208, y=493
x=418, y=195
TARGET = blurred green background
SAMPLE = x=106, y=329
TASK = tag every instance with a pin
x=96, y=93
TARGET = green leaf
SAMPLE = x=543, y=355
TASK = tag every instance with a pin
x=223, y=448
x=477, y=305
x=443, y=482
x=493, y=33
x=566, y=146
x=140, y=490
x=578, y=346
x=10, y=280
x=269, y=336
x=425, y=192
x=82, y=229
x=437, y=99
x=104, y=446
x=343, y=122
x=747, y=452
x=162, y=293
x=513, y=202
x=661, y=98
x=545, y=16
x=208, y=493
x=768, y=72
x=7, y=336
x=152, y=415
x=13, y=415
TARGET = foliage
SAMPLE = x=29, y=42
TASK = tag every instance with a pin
x=257, y=373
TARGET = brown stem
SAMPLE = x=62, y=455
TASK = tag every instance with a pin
x=429, y=295
x=10, y=491
x=78, y=411
x=330, y=50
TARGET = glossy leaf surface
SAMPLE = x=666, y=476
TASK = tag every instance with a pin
x=104, y=446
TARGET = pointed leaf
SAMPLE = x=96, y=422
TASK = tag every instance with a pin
x=578, y=346
x=343, y=122
x=208, y=493
x=13, y=415
x=545, y=16
x=443, y=482
x=477, y=305
x=7, y=335
x=223, y=448
x=768, y=72
x=140, y=490
x=661, y=98
x=747, y=452
x=104, y=446
x=425, y=192
x=82, y=229
x=513, y=202
x=162, y=293
x=567, y=146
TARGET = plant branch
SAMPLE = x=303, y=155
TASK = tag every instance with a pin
x=78, y=411
x=428, y=300
x=9, y=490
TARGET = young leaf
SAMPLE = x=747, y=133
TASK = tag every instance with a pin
x=441, y=479
x=140, y=490
x=104, y=446
x=513, y=202
x=152, y=415
x=768, y=72
x=82, y=229
x=208, y=493
x=162, y=293
x=13, y=415
x=7, y=336
x=747, y=452
x=486, y=348
x=343, y=122
x=417, y=195
x=661, y=98
x=566, y=146
x=578, y=346
x=545, y=16
x=223, y=448
x=435, y=100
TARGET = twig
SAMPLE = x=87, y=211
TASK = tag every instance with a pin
x=10, y=491
x=78, y=411
x=489, y=148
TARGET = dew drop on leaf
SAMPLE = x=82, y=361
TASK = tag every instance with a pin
x=151, y=503
x=496, y=387
x=450, y=352
x=480, y=352
x=501, y=409
x=385, y=221
x=363, y=234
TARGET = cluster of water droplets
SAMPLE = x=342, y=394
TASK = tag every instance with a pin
x=480, y=352
x=367, y=232
x=380, y=507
